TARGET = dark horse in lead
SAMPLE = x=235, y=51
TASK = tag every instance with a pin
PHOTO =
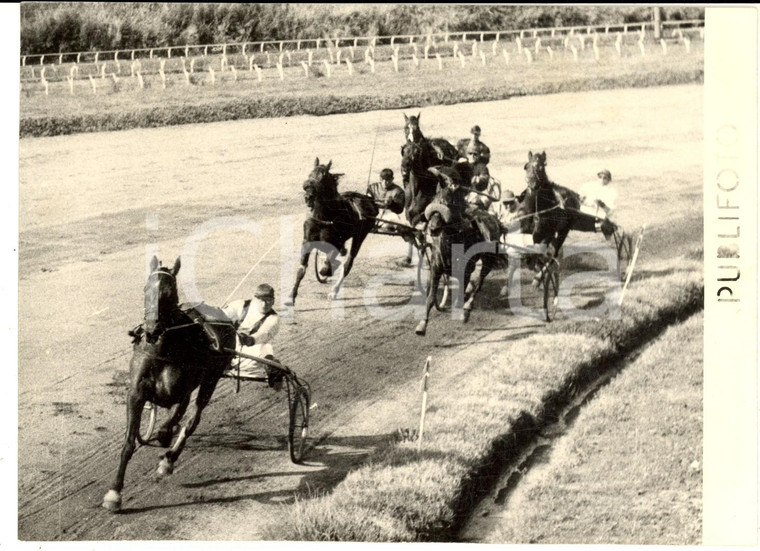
x=172, y=356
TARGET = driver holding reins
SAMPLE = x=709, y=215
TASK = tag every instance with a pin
x=257, y=324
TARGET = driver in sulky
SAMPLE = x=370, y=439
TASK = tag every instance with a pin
x=257, y=324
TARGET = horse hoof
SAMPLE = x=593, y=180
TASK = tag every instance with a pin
x=421, y=328
x=331, y=295
x=165, y=468
x=112, y=501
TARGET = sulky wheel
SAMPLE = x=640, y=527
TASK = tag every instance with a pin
x=319, y=259
x=147, y=422
x=624, y=254
x=299, y=423
x=494, y=189
x=551, y=291
x=423, y=279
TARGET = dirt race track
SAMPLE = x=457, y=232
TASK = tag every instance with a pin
x=94, y=207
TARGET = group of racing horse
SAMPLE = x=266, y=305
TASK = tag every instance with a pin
x=447, y=200
x=179, y=350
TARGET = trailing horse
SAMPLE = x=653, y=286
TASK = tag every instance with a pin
x=335, y=218
x=449, y=226
x=173, y=354
x=555, y=209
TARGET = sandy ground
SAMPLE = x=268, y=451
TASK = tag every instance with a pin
x=93, y=208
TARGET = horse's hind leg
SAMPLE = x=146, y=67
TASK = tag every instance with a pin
x=135, y=404
x=166, y=431
x=435, y=280
x=166, y=465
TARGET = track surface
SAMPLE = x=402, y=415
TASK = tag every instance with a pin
x=94, y=207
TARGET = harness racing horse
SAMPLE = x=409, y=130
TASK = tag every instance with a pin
x=172, y=356
x=335, y=218
x=555, y=209
x=449, y=227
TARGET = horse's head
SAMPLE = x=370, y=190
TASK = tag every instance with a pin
x=535, y=170
x=161, y=298
x=412, y=131
x=321, y=183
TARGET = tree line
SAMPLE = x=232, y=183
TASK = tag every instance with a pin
x=56, y=27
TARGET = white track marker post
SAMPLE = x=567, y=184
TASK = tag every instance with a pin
x=258, y=72
x=518, y=42
x=582, y=41
x=629, y=273
x=150, y=55
x=440, y=61
x=212, y=75
x=192, y=65
x=619, y=45
x=42, y=74
x=223, y=63
x=97, y=54
x=327, y=68
x=567, y=42
x=310, y=54
x=47, y=86
x=290, y=57
x=474, y=49
x=427, y=50
x=280, y=71
x=596, y=52
x=664, y=46
x=163, y=74
x=550, y=52
x=687, y=43
x=140, y=81
x=415, y=49
x=642, y=49
x=305, y=69
x=416, y=61
x=337, y=57
x=234, y=72
x=575, y=52
x=538, y=45
x=351, y=52
x=372, y=64
x=118, y=67
x=455, y=51
x=71, y=84
x=483, y=58
x=506, y=56
x=528, y=55
x=103, y=72
x=92, y=83
x=350, y=67
x=423, y=409
x=493, y=47
x=115, y=79
x=461, y=59
x=269, y=59
x=394, y=59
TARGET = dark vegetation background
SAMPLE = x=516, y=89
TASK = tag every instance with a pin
x=57, y=27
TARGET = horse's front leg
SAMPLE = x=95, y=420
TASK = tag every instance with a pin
x=166, y=465
x=291, y=300
x=469, y=292
x=135, y=405
x=485, y=268
x=435, y=280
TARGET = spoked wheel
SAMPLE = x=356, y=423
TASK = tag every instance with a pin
x=551, y=291
x=424, y=282
x=319, y=260
x=624, y=254
x=299, y=422
x=147, y=422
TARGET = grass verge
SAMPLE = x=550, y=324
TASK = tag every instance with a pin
x=405, y=495
x=120, y=105
x=636, y=450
